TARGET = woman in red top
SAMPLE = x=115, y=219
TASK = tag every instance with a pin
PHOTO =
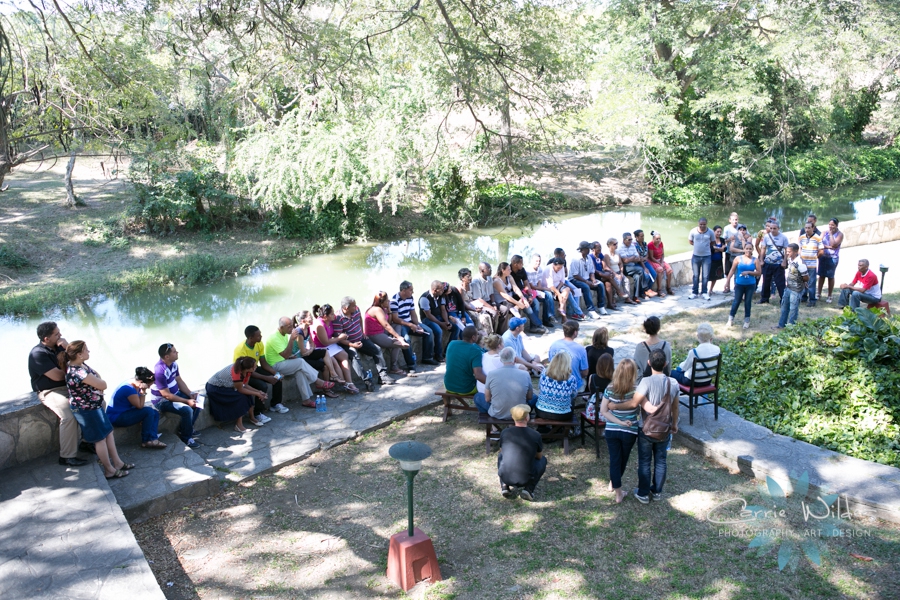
x=657, y=258
x=323, y=337
x=377, y=328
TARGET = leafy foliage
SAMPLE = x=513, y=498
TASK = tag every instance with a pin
x=10, y=259
x=825, y=389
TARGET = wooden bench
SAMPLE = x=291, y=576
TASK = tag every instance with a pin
x=559, y=430
x=458, y=401
x=882, y=304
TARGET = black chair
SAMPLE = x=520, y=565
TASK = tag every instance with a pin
x=708, y=385
x=596, y=425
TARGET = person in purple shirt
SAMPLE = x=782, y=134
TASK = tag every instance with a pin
x=169, y=393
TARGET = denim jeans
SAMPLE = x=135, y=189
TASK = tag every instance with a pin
x=651, y=451
x=188, y=415
x=538, y=466
x=548, y=306
x=572, y=305
x=771, y=273
x=619, y=445
x=148, y=417
x=745, y=293
x=700, y=266
x=427, y=344
x=585, y=293
x=810, y=291
x=790, y=307
x=855, y=298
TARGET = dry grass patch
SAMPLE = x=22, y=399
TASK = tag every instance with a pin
x=319, y=529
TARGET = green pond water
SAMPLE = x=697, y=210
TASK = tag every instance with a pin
x=205, y=323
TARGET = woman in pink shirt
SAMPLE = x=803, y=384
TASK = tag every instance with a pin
x=656, y=256
x=323, y=337
x=377, y=328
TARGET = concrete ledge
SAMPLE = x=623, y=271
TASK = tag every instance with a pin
x=871, y=489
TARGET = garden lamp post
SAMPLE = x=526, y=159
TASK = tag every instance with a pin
x=884, y=271
x=411, y=556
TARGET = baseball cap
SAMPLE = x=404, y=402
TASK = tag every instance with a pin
x=516, y=322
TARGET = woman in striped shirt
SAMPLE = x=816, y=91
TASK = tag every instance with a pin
x=621, y=425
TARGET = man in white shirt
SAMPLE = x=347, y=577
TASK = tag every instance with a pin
x=556, y=282
x=537, y=277
x=706, y=349
x=581, y=273
x=482, y=289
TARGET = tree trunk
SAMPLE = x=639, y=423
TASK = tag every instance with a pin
x=505, y=130
x=71, y=199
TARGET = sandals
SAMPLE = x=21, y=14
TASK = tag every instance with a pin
x=325, y=386
x=119, y=474
x=349, y=387
x=155, y=444
x=240, y=430
x=308, y=403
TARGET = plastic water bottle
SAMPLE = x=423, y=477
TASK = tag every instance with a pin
x=324, y=404
x=319, y=403
x=369, y=375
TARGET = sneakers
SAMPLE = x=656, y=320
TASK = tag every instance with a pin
x=538, y=330
x=593, y=314
x=730, y=322
x=263, y=418
x=280, y=408
x=655, y=496
x=192, y=443
x=641, y=499
x=691, y=296
x=706, y=296
x=72, y=462
x=603, y=312
x=746, y=323
x=578, y=317
x=828, y=300
x=526, y=495
x=812, y=304
x=506, y=491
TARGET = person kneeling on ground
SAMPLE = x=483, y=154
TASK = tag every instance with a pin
x=128, y=408
x=521, y=462
x=505, y=388
x=514, y=338
x=868, y=289
x=230, y=396
x=706, y=349
x=464, y=364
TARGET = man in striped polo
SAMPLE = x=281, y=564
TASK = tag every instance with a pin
x=349, y=321
x=811, y=249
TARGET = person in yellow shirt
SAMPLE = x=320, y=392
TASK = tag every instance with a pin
x=264, y=375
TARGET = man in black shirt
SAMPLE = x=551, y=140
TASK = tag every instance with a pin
x=49, y=381
x=521, y=463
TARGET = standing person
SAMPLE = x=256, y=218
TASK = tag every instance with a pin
x=264, y=376
x=574, y=349
x=86, y=399
x=325, y=337
x=745, y=271
x=642, y=351
x=581, y=274
x=403, y=314
x=280, y=354
x=433, y=316
x=810, y=250
x=128, y=408
x=621, y=417
x=377, y=327
x=729, y=234
x=506, y=387
x=350, y=321
x=831, y=250
x=464, y=364
x=48, y=380
x=558, y=389
x=811, y=219
x=868, y=289
x=716, y=271
x=656, y=254
x=657, y=396
x=521, y=462
x=774, y=263
x=797, y=278
x=632, y=267
x=230, y=396
x=701, y=239
x=169, y=393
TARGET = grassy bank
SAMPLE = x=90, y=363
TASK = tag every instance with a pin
x=727, y=182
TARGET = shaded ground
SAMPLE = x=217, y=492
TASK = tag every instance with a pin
x=319, y=529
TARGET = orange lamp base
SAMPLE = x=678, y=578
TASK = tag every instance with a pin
x=412, y=559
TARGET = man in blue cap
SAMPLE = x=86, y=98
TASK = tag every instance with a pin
x=514, y=338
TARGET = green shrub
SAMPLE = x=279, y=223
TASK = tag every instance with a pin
x=694, y=194
x=10, y=259
x=818, y=382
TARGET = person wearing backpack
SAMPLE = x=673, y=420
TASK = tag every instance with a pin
x=642, y=351
x=657, y=396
